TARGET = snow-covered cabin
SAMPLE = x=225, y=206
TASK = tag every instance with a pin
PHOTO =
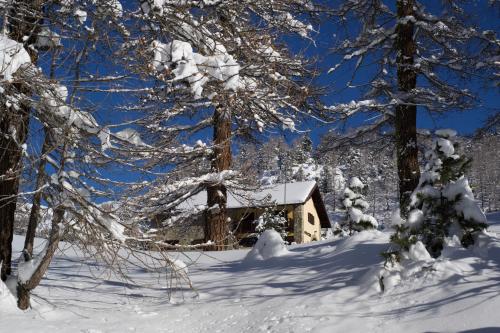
x=300, y=203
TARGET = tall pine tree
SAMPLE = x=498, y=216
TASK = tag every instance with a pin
x=417, y=53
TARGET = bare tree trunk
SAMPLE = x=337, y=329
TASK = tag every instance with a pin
x=24, y=21
x=217, y=226
x=406, y=114
x=24, y=288
x=37, y=197
x=10, y=160
x=334, y=198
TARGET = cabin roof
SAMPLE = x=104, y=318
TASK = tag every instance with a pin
x=276, y=194
x=279, y=194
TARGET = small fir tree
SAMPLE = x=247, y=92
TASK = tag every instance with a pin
x=326, y=180
x=355, y=205
x=300, y=175
x=272, y=219
x=442, y=205
x=285, y=164
x=304, y=151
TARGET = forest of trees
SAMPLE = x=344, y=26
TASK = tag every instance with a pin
x=374, y=162
x=112, y=113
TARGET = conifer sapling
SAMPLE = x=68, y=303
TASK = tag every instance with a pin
x=270, y=219
x=443, y=204
x=355, y=205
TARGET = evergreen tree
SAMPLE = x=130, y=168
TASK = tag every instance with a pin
x=223, y=67
x=285, y=164
x=326, y=180
x=355, y=205
x=299, y=175
x=270, y=219
x=443, y=204
x=419, y=53
x=304, y=150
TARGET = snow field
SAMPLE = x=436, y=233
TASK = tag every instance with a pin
x=327, y=286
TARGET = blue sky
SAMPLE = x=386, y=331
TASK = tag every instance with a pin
x=466, y=122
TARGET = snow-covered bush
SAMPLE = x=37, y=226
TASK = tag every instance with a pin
x=442, y=205
x=269, y=245
x=270, y=219
x=354, y=204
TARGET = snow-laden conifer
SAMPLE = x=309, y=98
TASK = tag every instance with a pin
x=443, y=204
x=222, y=67
x=271, y=219
x=355, y=205
x=430, y=54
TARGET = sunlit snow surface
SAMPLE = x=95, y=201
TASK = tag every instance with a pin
x=326, y=286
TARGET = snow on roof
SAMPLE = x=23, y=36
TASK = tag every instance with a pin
x=280, y=194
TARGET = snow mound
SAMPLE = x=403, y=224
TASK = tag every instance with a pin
x=487, y=246
x=417, y=268
x=7, y=300
x=269, y=245
x=418, y=252
x=180, y=266
x=362, y=237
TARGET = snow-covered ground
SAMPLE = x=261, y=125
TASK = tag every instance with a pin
x=328, y=286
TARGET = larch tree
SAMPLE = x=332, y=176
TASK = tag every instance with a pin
x=217, y=67
x=30, y=94
x=21, y=21
x=411, y=55
x=50, y=66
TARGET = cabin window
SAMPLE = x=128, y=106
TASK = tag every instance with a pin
x=310, y=218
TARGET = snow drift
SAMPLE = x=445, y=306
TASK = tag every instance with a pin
x=269, y=245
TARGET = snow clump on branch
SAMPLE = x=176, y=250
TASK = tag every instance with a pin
x=12, y=57
x=179, y=59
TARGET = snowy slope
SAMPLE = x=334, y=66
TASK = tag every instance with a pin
x=318, y=287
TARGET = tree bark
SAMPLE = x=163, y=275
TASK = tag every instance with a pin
x=24, y=288
x=406, y=114
x=10, y=160
x=24, y=21
x=37, y=197
x=217, y=226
